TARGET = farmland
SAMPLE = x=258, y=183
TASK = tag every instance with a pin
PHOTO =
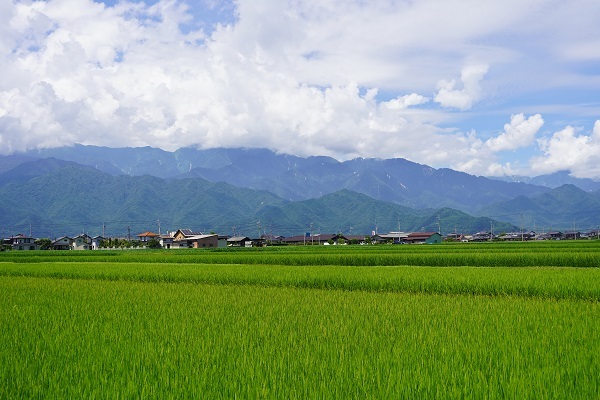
x=518, y=320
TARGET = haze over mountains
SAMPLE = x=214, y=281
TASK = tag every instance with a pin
x=250, y=190
x=296, y=178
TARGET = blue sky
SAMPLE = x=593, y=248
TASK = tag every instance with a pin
x=490, y=88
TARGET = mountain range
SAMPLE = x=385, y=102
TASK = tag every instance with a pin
x=100, y=189
x=295, y=178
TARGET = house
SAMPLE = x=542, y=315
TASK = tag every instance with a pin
x=166, y=241
x=181, y=234
x=62, y=243
x=223, y=240
x=424, y=238
x=594, y=234
x=328, y=238
x=259, y=242
x=553, y=235
x=97, y=242
x=517, y=236
x=298, y=239
x=198, y=242
x=482, y=237
x=377, y=238
x=22, y=242
x=147, y=236
x=572, y=235
x=394, y=237
x=455, y=237
x=320, y=238
x=239, y=241
x=272, y=238
x=82, y=242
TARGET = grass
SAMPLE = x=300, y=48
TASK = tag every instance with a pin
x=173, y=325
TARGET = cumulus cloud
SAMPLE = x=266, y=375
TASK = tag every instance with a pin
x=570, y=149
x=520, y=132
x=403, y=102
x=331, y=77
x=464, y=98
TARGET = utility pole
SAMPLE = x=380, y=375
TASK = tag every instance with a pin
x=439, y=225
x=128, y=233
x=522, y=227
x=158, y=221
x=103, y=230
x=491, y=230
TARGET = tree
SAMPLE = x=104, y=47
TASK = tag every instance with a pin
x=44, y=243
x=154, y=243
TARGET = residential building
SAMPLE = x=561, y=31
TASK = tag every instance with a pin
x=424, y=238
x=198, y=242
x=239, y=241
x=147, y=236
x=82, y=242
x=62, y=243
x=394, y=237
x=181, y=234
x=22, y=242
x=166, y=241
x=96, y=242
x=482, y=237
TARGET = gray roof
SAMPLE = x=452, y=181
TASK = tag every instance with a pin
x=238, y=238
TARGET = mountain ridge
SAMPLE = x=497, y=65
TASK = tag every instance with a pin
x=296, y=178
x=68, y=198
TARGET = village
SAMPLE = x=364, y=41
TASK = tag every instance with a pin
x=189, y=239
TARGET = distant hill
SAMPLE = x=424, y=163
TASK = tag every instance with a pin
x=9, y=162
x=64, y=198
x=74, y=198
x=555, y=180
x=295, y=178
x=350, y=212
x=564, y=208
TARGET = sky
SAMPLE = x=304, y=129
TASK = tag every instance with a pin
x=491, y=88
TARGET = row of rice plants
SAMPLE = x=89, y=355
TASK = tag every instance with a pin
x=565, y=258
x=560, y=254
x=558, y=283
x=85, y=339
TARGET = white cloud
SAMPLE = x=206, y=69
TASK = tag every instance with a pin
x=571, y=150
x=463, y=98
x=332, y=77
x=520, y=132
x=406, y=101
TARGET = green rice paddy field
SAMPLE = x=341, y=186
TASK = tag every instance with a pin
x=514, y=320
